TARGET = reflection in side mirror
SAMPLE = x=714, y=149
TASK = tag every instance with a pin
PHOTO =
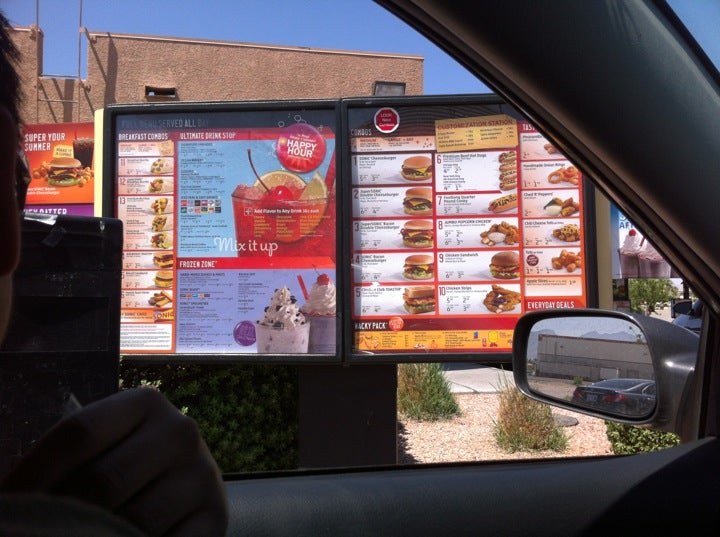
x=598, y=363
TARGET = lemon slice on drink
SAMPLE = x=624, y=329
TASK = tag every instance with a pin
x=282, y=178
x=315, y=189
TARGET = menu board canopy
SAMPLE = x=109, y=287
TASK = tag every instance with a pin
x=461, y=217
x=230, y=219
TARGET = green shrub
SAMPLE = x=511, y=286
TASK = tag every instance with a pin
x=629, y=439
x=247, y=414
x=424, y=393
x=524, y=424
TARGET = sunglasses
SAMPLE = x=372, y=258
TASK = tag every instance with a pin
x=22, y=179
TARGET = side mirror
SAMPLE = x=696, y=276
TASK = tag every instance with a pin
x=680, y=307
x=613, y=365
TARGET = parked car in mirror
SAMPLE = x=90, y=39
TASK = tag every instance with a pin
x=692, y=319
x=632, y=397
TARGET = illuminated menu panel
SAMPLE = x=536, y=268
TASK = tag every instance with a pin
x=230, y=230
x=463, y=218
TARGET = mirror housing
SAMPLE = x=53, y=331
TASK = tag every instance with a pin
x=606, y=340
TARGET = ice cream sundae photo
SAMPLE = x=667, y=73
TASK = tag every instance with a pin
x=283, y=329
x=651, y=264
x=320, y=309
x=628, y=254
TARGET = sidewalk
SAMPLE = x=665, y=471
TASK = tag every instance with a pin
x=474, y=378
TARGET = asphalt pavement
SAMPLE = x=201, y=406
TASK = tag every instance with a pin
x=474, y=378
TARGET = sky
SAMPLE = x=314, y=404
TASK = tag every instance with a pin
x=334, y=24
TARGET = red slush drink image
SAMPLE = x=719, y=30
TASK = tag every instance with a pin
x=281, y=207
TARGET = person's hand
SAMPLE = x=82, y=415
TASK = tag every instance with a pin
x=136, y=455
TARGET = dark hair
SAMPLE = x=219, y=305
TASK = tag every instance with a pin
x=10, y=94
x=10, y=98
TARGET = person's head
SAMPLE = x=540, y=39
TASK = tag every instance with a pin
x=11, y=169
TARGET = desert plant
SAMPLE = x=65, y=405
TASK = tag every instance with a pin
x=629, y=439
x=524, y=424
x=424, y=393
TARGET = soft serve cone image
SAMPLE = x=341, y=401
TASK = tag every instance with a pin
x=282, y=329
x=320, y=309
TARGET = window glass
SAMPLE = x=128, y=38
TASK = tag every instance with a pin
x=466, y=399
x=702, y=18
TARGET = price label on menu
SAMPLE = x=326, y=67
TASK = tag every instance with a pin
x=457, y=266
x=546, y=175
x=379, y=300
x=385, y=267
x=137, y=260
x=538, y=233
x=466, y=171
x=461, y=299
x=457, y=204
x=378, y=234
x=572, y=286
x=378, y=202
x=457, y=233
x=550, y=203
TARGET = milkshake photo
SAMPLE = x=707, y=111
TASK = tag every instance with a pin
x=628, y=253
x=320, y=310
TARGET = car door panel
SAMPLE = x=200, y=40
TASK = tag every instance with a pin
x=558, y=497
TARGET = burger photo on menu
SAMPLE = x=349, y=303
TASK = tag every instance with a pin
x=418, y=234
x=419, y=299
x=163, y=259
x=163, y=278
x=417, y=168
x=65, y=171
x=419, y=267
x=418, y=201
x=505, y=265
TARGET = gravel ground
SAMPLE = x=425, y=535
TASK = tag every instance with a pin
x=469, y=436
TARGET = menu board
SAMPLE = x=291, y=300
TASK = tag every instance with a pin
x=463, y=217
x=229, y=216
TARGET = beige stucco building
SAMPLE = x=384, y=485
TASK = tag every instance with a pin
x=123, y=68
